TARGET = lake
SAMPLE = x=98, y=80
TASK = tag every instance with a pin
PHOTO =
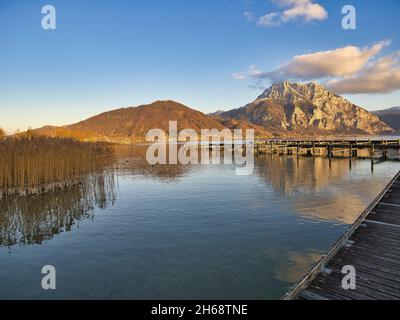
x=184, y=232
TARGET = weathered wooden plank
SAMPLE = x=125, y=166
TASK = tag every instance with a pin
x=375, y=273
x=362, y=290
x=308, y=295
x=389, y=222
x=363, y=258
x=375, y=230
x=365, y=283
x=379, y=229
x=376, y=248
x=385, y=217
x=391, y=199
x=382, y=230
x=334, y=287
x=385, y=211
x=389, y=204
x=378, y=236
x=377, y=243
x=389, y=209
x=374, y=257
x=327, y=292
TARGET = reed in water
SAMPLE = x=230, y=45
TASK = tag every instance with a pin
x=34, y=219
x=30, y=165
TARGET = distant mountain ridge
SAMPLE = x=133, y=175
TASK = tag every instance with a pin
x=128, y=125
x=390, y=116
x=283, y=110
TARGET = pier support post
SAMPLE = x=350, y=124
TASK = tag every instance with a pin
x=330, y=151
x=384, y=155
x=298, y=150
x=313, y=149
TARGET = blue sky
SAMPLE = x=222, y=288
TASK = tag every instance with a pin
x=108, y=54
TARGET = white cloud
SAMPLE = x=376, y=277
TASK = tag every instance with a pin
x=381, y=76
x=302, y=10
x=270, y=20
x=344, y=70
x=344, y=61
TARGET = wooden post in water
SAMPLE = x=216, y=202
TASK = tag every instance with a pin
x=298, y=149
x=384, y=155
x=313, y=149
x=351, y=150
x=284, y=149
x=330, y=150
x=372, y=153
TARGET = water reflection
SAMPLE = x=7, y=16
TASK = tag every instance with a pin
x=321, y=189
x=132, y=162
x=316, y=188
x=293, y=174
x=292, y=266
x=34, y=219
x=313, y=188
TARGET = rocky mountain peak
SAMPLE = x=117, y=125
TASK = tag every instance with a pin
x=291, y=91
x=308, y=107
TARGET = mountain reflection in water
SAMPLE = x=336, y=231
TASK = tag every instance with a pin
x=33, y=219
x=319, y=188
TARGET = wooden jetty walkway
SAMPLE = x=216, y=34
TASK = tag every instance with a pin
x=371, y=149
x=380, y=150
x=371, y=246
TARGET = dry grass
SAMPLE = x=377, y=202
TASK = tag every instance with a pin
x=31, y=165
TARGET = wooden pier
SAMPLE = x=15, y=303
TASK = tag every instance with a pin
x=371, y=246
x=365, y=149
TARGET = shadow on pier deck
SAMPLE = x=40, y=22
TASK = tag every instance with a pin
x=371, y=246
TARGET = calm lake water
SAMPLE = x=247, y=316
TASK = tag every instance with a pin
x=184, y=232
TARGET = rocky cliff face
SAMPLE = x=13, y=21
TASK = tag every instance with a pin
x=308, y=108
